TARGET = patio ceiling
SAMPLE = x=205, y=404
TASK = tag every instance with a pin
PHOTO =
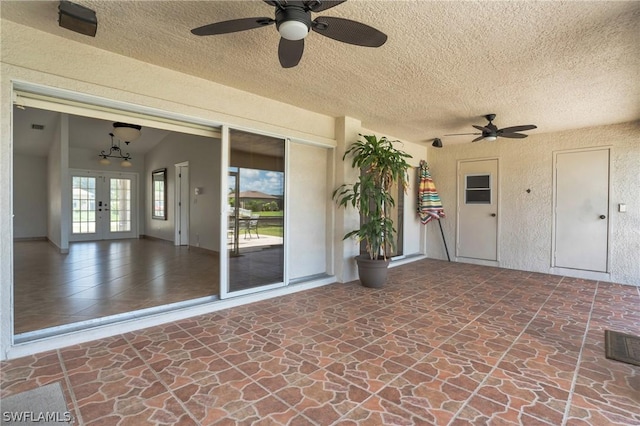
x=559, y=65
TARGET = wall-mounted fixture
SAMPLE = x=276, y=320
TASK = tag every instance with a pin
x=126, y=132
x=437, y=143
x=77, y=18
x=115, y=152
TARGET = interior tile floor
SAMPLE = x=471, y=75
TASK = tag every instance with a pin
x=97, y=279
x=443, y=343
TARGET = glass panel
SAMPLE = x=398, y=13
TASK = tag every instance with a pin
x=120, y=210
x=256, y=206
x=478, y=196
x=83, y=208
x=478, y=182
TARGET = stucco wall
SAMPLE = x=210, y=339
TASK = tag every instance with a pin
x=525, y=236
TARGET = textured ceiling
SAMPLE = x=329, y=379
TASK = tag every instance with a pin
x=559, y=65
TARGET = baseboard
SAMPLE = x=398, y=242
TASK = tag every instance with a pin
x=60, y=250
x=23, y=239
x=204, y=251
x=578, y=273
x=149, y=237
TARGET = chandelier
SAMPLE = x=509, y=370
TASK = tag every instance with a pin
x=115, y=152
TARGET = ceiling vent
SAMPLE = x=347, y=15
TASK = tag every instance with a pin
x=37, y=126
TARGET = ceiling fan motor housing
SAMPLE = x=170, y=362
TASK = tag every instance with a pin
x=292, y=13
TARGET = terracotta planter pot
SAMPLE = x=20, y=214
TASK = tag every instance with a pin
x=372, y=273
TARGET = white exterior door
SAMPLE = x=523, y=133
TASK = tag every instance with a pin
x=478, y=209
x=103, y=206
x=582, y=210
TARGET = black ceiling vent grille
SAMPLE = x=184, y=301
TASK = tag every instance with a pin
x=37, y=126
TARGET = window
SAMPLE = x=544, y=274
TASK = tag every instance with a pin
x=120, y=214
x=84, y=205
x=477, y=189
x=159, y=193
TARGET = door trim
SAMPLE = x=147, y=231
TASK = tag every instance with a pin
x=186, y=209
x=579, y=273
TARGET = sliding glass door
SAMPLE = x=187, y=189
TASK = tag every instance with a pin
x=255, y=205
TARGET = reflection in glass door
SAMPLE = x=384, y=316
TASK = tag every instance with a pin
x=102, y=207
x=255, y=242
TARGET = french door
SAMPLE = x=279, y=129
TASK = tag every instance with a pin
x=103, y=206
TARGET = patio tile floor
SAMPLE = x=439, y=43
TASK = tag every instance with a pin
x=443, y=344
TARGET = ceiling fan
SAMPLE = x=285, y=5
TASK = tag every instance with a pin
x=293, y=22
x=490, y=132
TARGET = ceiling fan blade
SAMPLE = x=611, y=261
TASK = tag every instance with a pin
x=232, y=26
x=290, y=52
x=348, y=31
x=462, y=134
x=322, y=5
x=518, y=128
x=478, y=139
x=513, y=135
x=482, y=129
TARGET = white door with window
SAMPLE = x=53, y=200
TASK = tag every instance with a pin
x=103, y=206
x=478, y=209
x=581, y=214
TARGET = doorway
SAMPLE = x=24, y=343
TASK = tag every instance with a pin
x=581, y=213
x=103, y=206
x=478, y=209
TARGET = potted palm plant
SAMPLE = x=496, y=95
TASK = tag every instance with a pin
x=381, y=166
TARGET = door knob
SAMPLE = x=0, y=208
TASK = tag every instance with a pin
x=493, y=215
x=602, y=216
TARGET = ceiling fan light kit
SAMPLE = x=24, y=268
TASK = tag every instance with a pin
x=293, y=22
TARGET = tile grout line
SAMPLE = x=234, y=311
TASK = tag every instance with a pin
x=269, y=393
x=574, y=380
x=72, y=393
x=495, y=367
x=157, y=376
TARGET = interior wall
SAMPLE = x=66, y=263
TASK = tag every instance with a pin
x=54, y=186
x=203, y=155
x=30, y=199
x=526, y=218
